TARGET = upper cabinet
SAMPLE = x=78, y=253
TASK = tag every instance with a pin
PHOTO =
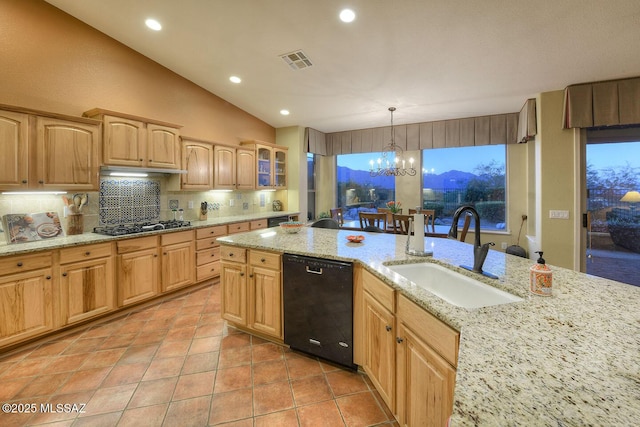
x=270, y=166
x=197, y=159
x=43, y=151
x=234, y=168
x=138, y=142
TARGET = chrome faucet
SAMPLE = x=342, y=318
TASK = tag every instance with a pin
x=479, y=251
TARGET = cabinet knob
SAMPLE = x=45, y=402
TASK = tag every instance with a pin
x=19, y=264
x=231, y=254
x=388, y=328
x=241, y=274
x=64, y=274
x=262, y=260
x=155, y=255
x=164, y=253
x=48, y=277
x=41, y=182
x=24, y=181
x=251, y=275
x=87, y=253
x=399, y=340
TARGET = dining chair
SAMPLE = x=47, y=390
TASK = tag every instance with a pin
x=326, y=223
x=373, y=219
x=338, y=215
x=465, y=227
x=429, y=217
x=401, y=223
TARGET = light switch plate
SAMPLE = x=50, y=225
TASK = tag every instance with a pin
x=556, y=214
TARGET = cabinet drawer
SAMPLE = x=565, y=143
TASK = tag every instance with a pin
x=81, y=253
x=20, y=263
x=134, y=245
x=238, y=227
x=438, y=335
x=217, y=231
x=382, y=292
x=206, y=244
x=265, y=259
x=208, y=271
x=203, y=257
x=173, y=238
x=230, y=253
x=258, y=224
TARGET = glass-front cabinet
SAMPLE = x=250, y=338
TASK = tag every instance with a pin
x=271, y=165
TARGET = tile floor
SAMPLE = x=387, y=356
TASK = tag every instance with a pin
x=176, y=364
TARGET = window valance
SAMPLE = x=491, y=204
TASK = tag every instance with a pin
x=608, y=103
x=484, y=130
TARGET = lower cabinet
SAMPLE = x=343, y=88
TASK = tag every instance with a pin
x=409, y=355
x=252, y=290
x=138, y=273
x=208, y=252
x=86, y=280
x=26, y=301
x=178, y=260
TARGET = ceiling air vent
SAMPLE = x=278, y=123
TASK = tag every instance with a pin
x=297, y=60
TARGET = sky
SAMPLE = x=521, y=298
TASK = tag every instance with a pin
x=602, y=156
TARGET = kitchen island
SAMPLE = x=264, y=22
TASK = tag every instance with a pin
x=570, y=359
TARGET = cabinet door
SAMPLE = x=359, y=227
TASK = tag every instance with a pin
x=67, y=155
x=14, y=146
x=163, y=147
x=178, y=265
x=245, y=169
x=225, y=168
x=124, y=142
x=197, y=159
x=234, y=292
x=425, y=382
x=264, y=166
x=280, y=168
x=25, y=306
x=87, y=289
x=379, y=348
x=265, y=301
x=137, y=276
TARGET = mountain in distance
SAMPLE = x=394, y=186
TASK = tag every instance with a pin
x=452, y=179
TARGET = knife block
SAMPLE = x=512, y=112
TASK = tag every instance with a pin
x=203, y=216
x=75, y=224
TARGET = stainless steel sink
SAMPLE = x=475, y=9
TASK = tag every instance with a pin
x=453, y=287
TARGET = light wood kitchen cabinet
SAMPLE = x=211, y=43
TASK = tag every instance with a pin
x=258, y=224
x=197, y=160
x=138, y=272
x=239, y=227
x=26, y=297
x=270, y=166
x=67, y=154
x=138, y=142
x=234, y=168
x=86, y=279
x=233, y=279
x=208, y=252
x=379, y=336
x=14, y=146
x=425, y=370
x=177, y=260
x=252, y=290
x=265, y=293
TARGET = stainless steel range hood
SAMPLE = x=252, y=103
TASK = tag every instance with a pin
x=113, y=170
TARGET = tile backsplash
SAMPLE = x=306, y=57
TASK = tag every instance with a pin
x=124, y=200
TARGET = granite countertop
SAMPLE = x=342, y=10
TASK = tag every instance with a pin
x=570, y=359
x=89, y=237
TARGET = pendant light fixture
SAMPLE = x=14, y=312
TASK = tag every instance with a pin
x=391, y=162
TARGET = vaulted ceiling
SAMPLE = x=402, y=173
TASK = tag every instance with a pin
x=432, y=59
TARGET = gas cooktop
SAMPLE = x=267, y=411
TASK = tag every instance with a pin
x=122, y=229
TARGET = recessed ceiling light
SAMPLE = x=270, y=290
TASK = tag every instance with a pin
x=284, y=112
x=153, y=24
x=235, y=79
x=347, y=15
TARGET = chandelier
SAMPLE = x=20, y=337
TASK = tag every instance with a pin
x=391, y=159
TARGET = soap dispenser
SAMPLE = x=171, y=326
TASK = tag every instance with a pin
x=540, y=277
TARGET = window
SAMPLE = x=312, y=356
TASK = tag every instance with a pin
x=474, y=176
x=311, y=186
x=357, y=190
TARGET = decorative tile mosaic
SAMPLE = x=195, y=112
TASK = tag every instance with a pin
x=126, y=200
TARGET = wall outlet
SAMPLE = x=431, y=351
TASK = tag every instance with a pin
x=190, y=204
x=503, y=245
x=555, y=214
x=232, y=202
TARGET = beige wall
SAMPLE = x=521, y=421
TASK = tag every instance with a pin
x=293, y=138
x=53, y=62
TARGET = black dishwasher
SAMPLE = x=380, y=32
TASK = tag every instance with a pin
x=318, y=307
